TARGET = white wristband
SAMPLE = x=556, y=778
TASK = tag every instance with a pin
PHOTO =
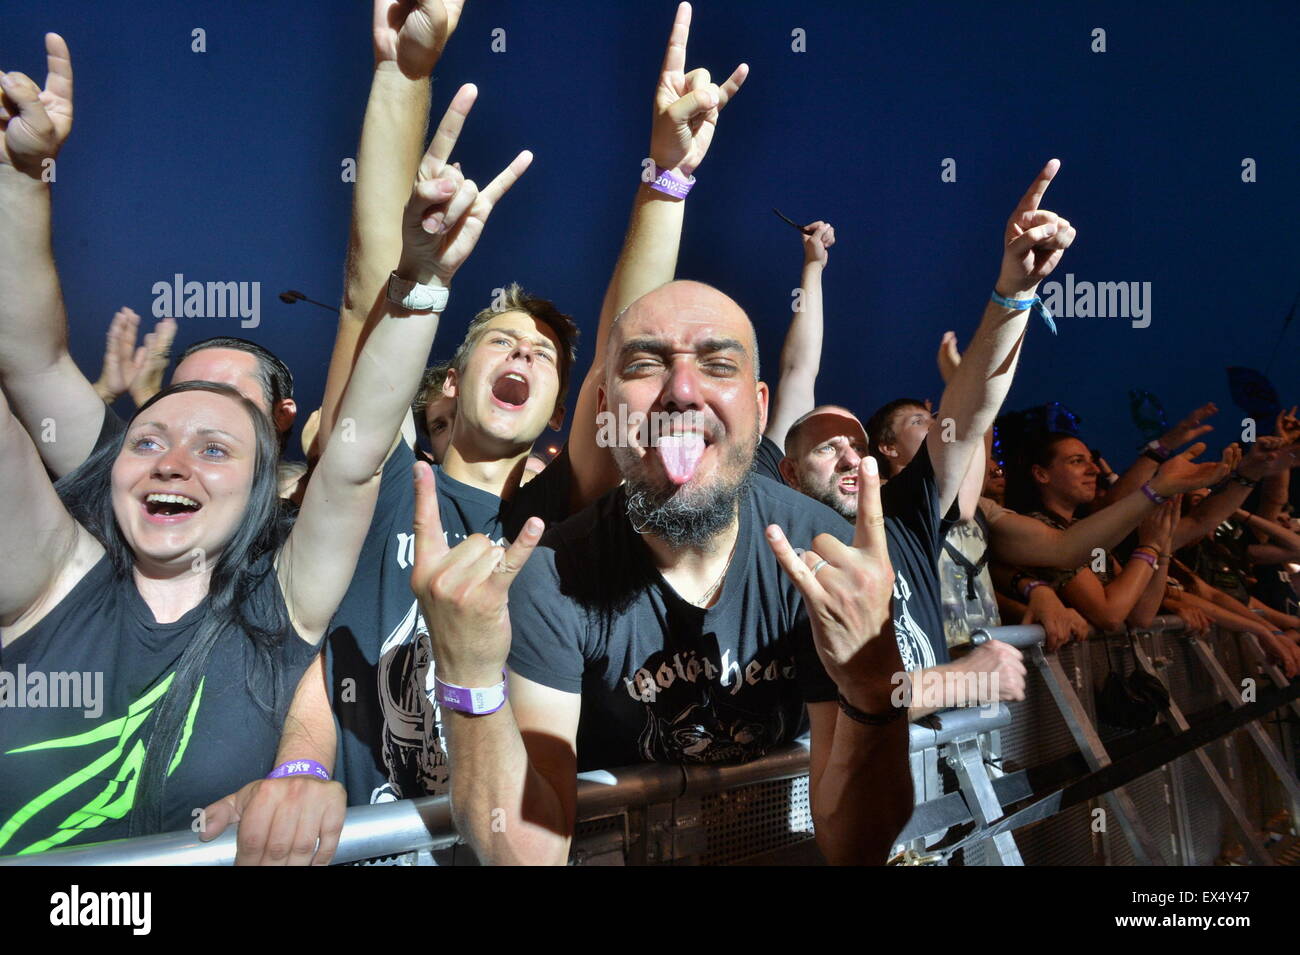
x=415, y=297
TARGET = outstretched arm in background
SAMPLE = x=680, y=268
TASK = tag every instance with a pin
x=801, y=355
x=686, y=108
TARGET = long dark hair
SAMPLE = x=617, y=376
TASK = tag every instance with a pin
x=239, y=603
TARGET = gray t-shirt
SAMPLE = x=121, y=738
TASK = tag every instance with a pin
x=662, y=680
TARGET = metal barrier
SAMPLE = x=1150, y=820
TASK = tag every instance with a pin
x=758, y=811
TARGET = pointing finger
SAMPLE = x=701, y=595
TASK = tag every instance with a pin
x=675, y=55
x=869, y=531
x=444, y=140
x=1034, y=195
x=430, y=544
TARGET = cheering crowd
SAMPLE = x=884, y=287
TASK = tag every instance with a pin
x=709, y=567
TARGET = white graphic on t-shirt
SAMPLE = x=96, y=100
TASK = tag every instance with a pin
x=415, y=752
x=913, y=644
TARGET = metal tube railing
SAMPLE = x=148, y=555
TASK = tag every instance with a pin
x=414, y=825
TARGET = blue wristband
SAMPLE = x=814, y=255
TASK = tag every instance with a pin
x=1021, y=304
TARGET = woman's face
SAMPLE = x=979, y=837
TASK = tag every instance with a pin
x=182, y=480
x=1072, y=476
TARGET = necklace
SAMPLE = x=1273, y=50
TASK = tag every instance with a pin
x=703, y=602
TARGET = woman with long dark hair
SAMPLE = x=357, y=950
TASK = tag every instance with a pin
x=157, y=609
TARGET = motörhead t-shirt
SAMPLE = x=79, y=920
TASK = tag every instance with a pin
x=379, y=661
x=661, y=679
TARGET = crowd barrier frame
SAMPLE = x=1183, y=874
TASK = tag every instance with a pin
x=680, y=814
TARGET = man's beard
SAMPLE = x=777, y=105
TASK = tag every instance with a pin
x=684, y=516
x=831, y=497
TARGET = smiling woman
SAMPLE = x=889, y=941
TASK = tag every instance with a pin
x=165, y=563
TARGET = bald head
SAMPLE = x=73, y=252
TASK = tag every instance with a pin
x=823, y=422
x=683, y=304
x=682, y=393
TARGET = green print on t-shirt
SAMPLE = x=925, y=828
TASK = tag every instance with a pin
x=115, y=800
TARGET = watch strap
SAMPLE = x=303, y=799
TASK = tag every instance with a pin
x=415, y=297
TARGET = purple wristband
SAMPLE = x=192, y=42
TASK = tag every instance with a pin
x=1029, y=586
x=671, y=184
x=1145, y=556
x=300, y=767
x=475, y=701
x=1151, y=492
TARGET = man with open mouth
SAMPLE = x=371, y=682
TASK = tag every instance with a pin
x=508, y=379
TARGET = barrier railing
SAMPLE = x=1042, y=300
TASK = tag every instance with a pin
x=416, y=828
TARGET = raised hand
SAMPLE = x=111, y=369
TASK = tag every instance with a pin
x=1181, y=473
x=1190, y=427
x=157, y=350
x=687, y=104
x=413, y=33
x=949, y=358
x=847, y=590
x=1270, y=454
x=463, y=590
x=1034, y=241
x=1287, y=425
x=817, y=238
x=128, y=368
x=446, y=213
x=35, y=121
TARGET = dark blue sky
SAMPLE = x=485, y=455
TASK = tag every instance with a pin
x=224, y=166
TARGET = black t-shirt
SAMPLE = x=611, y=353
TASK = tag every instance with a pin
x=68, y=772
x=662, y=680
x=915, y=532
x=378, y=655
x=767, y=459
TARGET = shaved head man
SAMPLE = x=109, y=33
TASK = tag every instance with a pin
x=822, y=452
x=673, y=620
x=683, y=362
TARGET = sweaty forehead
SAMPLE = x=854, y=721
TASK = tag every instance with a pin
x=683, y=314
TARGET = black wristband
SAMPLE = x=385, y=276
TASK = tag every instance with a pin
x=1153, y=455
x=870, y=719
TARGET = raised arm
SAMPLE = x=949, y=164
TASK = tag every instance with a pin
x=860, y=788
x=801, y=355
x=1168, y=443
x=686, y=108
x=45, y=546
x=1266, y=456
x=439, y=233
x=513, y=771
x=1034, y=242
x=1017, y=539
x=972, y=485
x=43, y=383
x=408, y=40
